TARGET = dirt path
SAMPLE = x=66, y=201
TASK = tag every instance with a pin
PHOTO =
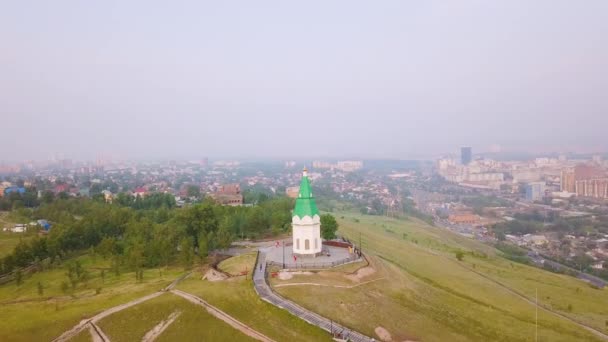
x=84, y=323
x=223, y=316
x=97, y=334
x=160, y=327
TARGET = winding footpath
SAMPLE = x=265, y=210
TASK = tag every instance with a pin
x=91, y=322
x=265, y=292
x=99, y=336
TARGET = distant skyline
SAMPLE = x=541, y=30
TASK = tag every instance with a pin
x=270, y=79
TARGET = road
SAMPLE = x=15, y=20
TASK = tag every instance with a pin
x=266, y=293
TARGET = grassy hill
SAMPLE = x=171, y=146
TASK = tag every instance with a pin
x=425, y=293
x=194, y=323
x=236, y=297
x=26, y=315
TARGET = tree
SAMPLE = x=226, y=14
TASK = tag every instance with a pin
x=203, y=246
x=40, y=289
x=194, y=191
x=459, y=255
x=186, y=253
x=329, y=226
x=224, y=238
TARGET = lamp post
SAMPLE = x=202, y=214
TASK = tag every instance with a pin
x=283, y=254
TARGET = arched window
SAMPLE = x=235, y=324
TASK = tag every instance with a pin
x=306, y=244
x=297, y=243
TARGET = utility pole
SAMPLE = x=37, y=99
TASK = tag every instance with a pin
x=360, y=245
x=283, y=254
x=536, y=326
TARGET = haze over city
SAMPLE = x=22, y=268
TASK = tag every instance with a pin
x=396, y=79
x=349, y=171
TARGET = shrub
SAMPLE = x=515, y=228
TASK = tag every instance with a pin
x=459, y=255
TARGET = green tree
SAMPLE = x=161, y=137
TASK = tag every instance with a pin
x=459, y=255
x=194, y=191
x=40, y=289
x=329, y=226
x=203, y=246
x=224, y=237
x=186, y=252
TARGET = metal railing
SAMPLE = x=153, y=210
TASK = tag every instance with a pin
x=313, y=265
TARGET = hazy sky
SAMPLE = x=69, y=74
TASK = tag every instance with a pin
x=145, y=79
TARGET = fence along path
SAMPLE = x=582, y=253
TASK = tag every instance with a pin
x=265, y=292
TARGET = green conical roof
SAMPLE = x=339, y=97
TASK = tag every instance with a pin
x=305, y=203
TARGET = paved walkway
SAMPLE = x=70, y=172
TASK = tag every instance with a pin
x=266, y=293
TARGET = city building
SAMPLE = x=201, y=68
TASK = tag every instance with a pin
x=535, y=191
x=13, y=189
x=306, y=222
x=567, y=181
x=343, y=165
x=585, y=180
x=463, y=218
x=140, y=192
x=292, y=191
x=107, y=196
x=466, y=155
x=595, y=188
x=445, y=163
x=228, y=194
x=349, y=165
x=321, y=165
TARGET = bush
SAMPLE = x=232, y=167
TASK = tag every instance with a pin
x=65, y=286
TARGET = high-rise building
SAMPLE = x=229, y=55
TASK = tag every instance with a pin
x=567, y=181
x=585, y=180
x=535, y=191
x=466, y=155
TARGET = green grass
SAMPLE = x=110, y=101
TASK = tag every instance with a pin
x=431, y=296
x=238, y=264
x=193, y=324
x=83, y=336
x=9, y=240
x=27, y=316
x=237, y=298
